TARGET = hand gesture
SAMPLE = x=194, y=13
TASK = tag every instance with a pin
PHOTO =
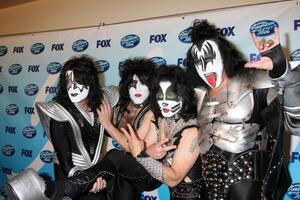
x=135, y=144
x=263, y=46
x=99, y=185
x=105, y=113
x=159, y=150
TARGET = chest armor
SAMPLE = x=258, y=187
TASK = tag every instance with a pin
x=224, y=117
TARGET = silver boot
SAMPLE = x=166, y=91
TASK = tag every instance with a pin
x=27, y=185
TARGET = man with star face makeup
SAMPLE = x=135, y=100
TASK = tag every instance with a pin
x=168, y=154
x=135, y=87
x=241, y=119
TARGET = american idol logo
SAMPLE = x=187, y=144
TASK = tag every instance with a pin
x=37, y=48
x=29, y=132
x=184, y=36
x=15, y=69
x=8, y=150
x=116, y=144
x=3, y=50
x=1, y=88
x=54, y=67
x=31, y=89
x=130, y=41
x=6, y=170
x=159, y=61
x=102, y=65
x=295, y=55
x=294, y=191
x=12, y=109
x=80, y=45
x=46, y=156
x=263, y=27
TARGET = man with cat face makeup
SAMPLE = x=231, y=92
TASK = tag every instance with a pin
x=241, y=124
x=168, y=154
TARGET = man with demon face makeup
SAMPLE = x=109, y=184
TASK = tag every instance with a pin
x=170, y=155
x=242, y=125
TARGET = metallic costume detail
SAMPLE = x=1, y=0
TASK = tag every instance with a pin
x=294, y=64
x=140, y=116
x=200, y=94
x=233, y=105
x=27, y=180
x=54, y=110
x=259, y=79
x=224, y=118
x=111, y=93
x=174, y=127
x=234, y=138
x=88, y=116
x=118, y=114
x=219, y=174
x=187, y=190
x=290, y=83
x=154, y=167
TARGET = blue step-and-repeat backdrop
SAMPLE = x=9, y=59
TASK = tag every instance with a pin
x=30, y=64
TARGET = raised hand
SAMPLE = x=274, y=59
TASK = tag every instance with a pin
x=263, y=46
x=105, y=113
x=159, y=150
x=135, y=144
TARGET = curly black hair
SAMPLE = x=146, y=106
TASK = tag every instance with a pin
x=85, y=73
x=144, y=68
x=233, y=59
x=178, y=77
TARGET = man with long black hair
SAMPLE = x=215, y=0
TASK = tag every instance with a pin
x=75, y=131
x=242, y=125
x=169, y=153
x=135, y=88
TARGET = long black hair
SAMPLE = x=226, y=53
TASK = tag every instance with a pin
x=144, y=68
x=178, y=78
x=85, y=73
x=233, y=59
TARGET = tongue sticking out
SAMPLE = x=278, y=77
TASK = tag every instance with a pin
x=211, y=79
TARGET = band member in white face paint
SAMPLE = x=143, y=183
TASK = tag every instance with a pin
x=175, y=125
x=133, y=108
x=209, y=62
x=168, y=154
x=242, y=126
x=138, y=91
x=76, y=91
x=169, y=102
x=79, y=147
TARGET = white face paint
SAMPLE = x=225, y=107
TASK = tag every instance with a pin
x=208, y=63
x=76, y=91
x=169, y=102
x=138, y=92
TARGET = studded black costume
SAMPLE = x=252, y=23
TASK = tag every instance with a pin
x=243, y=124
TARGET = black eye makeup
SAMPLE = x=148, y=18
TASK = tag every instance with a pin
x=171, y=94
x=133, y=84
x=159, y=95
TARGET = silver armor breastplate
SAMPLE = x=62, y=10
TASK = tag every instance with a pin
x=224, y=117
x=54, y=110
